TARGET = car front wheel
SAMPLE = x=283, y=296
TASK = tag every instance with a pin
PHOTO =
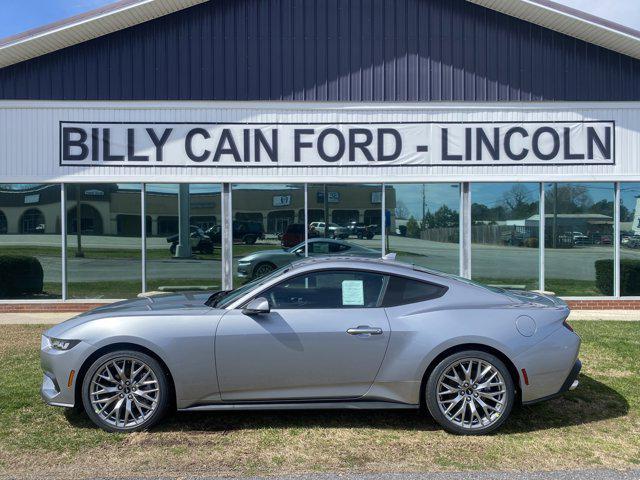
x=470, y=393
x=125, y=391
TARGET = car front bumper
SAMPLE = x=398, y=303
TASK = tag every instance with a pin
x=58, y=383
x=244, y=269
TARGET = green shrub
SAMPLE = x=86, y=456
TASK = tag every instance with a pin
x=19, y=276
x=629, y=277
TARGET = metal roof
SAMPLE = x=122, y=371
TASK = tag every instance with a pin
x=80, y=28
x=127, y=13
x=570, y=21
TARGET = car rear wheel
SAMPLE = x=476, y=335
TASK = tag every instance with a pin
x=125, y=391
x=470, y=393
x=263, y=269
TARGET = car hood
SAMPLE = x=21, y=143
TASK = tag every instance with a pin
x=527, y=296
x=266, y=254
x=192, y=301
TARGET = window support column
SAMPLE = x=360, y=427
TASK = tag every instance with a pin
x=616, y=241
x=465, y=230
x=63, y=233
x=541, y=228
x=226, y=244
x=383, y=222
x=143, y=237
x=306, y=221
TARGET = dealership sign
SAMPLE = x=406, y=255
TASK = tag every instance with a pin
x=336, y=144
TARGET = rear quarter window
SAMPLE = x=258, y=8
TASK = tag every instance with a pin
x=403, y=291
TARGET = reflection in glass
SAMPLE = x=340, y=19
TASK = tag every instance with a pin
x=630, y=239
x=578, y=234
x=505, y=228
x=183, y=237
x=424, y=224
x=30, y=227
x=103, y=255
x=267, y=219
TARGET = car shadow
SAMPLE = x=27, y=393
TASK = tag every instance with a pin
x=593, y=401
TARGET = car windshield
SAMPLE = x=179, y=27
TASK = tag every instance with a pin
x=222, y=299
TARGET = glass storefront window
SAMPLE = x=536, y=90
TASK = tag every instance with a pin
x=30, y=228
x=350, y=216
x=579, y=220
x=183, y=237
x=629, y=239
x=424, y=224
x=103, y=255
x=505, y=231
x=268, y=221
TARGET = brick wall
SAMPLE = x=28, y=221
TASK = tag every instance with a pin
x=47, y=307
x=604, y=304
x=81, y=307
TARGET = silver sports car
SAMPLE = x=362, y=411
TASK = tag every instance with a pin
x=320, y=333
x=258, y=264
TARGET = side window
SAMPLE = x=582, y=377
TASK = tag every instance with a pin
x=319, y=247
x=328, y=289
x=338, y=247
x=402, y=291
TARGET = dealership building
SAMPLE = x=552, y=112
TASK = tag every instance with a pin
x=152, y=145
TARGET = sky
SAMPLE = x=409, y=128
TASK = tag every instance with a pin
x=20, y=15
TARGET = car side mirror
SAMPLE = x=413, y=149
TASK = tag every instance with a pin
x=257, y=306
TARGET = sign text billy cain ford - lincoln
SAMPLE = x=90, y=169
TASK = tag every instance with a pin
x=342, y=144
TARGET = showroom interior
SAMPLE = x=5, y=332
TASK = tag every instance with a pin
x=111, y=217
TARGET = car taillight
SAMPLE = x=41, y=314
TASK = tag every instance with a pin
x=567, y=326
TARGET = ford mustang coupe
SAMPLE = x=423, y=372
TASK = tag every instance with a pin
x=320, y=333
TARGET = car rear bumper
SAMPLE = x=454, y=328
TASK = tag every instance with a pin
x=570, y=383
x=548, y=365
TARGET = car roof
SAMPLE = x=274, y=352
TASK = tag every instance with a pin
x=352, y=261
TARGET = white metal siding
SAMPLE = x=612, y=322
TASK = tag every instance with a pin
x=29, y=144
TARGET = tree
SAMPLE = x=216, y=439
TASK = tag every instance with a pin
x=568, y=199
x=402, y=212
x=517, y=204
x=445, y=218
x=413, y=229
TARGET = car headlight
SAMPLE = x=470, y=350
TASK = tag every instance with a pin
x=62, y=344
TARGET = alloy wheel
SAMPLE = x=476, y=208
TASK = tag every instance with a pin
x=124, y=392
x=472, y=393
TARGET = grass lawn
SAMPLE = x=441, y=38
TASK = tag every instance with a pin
x=597, y=425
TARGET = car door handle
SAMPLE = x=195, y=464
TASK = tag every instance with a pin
x=364, y=330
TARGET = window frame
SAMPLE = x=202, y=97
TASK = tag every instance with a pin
x=383, y=292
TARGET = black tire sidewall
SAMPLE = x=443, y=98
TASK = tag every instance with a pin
x=163, y=385
x=263, y=264
x=431, y=387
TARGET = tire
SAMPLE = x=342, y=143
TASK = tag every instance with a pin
x=249, y=239
x=172, y=249
x=147, y=410
x=498, y=399
x=263, y=269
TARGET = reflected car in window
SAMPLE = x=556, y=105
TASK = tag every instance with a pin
x=263, y=262
x=346, y=332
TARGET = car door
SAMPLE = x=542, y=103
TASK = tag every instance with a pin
x=324, y=338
